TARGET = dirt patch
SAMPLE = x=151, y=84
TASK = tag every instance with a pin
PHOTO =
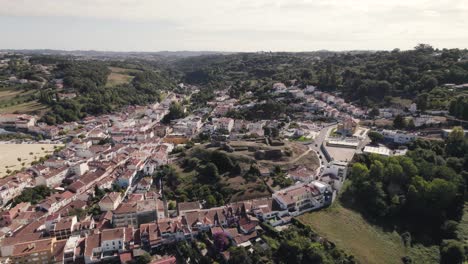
x=12, y=156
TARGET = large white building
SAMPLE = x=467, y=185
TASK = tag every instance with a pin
x=398, y=136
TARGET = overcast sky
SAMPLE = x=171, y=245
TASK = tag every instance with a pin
x=232, y=25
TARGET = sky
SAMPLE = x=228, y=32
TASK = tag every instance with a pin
x=232, y=25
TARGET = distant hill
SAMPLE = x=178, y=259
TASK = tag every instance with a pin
x=116, y=54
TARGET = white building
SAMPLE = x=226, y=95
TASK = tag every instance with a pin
x=398, y=137
x=223, y=123
x=110, y=201
x=381, y=150
x=302, y=197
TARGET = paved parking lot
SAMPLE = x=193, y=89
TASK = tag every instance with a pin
x=341, y=154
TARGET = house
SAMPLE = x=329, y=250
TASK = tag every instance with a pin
x=144, y=184
x=73, y=250
x=126, y=179
x=222, y=109
x=56, y=201
x=55, y=163
x=310, y=89
x=12, y=186
x=334, y=174
x=113, y=239
x=425, y=120
x=150, y=236
x=66, y=96
x=348, y=126
x=185, y=207
x=301, y=198
x=398, y=137
x=125, y=215
x=63, y=227
x=301, y=174
x=223, y=123
x=297, y=93
x=37, y=251
x=279, y=88
x=9, y=215
x=110, y=201
x=17, y=121
x=135, y=213
x=174, y=229
x=93, y=251
x=263, y=209
x=53, y=178
x=413, y=108
x=157, y=159
x=203, y=220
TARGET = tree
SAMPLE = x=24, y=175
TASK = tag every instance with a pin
x=144, y=258
x=169, y=175
x=376, y=172
x=210, y=201
x=359, y=172
x=449, y=229
x=98, y=192
x=221, y=241
x=222, y=161
x=239, y=255
x=457, y=134
x=176, y=111
x=452, y=252
x=171, y=205
x=421, y=102
x=374, y=112
x=209, y=173
x=375, y=137
x=399, y=122
x=457, y=145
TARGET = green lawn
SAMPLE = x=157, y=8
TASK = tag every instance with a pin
x=368, y=243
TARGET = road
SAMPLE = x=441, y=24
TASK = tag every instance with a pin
x=319, y=140
x=322, y=137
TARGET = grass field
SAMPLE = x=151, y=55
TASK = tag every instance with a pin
x=119, y=76
x=368, y=243
x=9, y=154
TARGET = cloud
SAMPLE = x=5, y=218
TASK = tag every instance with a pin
x=253, y=24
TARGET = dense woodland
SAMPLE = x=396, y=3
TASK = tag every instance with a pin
x=421, y=194
x=88, y=80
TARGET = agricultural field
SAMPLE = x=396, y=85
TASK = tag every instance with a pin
x=369, y=244
x=119, y=76
x=15, y=100
x=15, y=156
x=32, y=107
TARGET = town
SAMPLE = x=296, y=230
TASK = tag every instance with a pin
x=108, y=203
